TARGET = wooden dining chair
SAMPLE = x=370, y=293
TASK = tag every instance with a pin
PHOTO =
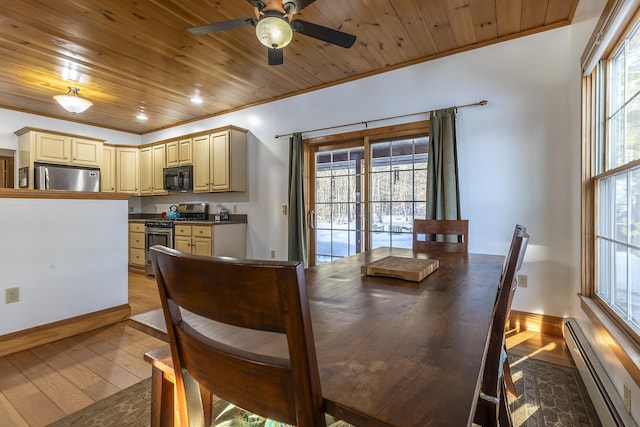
x=425, y=232
x=248, y=294
x=493, y=406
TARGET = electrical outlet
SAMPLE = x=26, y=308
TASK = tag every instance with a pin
x=627, y=398
x=284, y=209
x=12, y=295
x=235, y=209
x=273, y=253
x=523, y=280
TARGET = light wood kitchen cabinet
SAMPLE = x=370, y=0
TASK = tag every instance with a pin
x=40, y=146
x=218, y=240
x=52, y=148
x=152, y=164
x=146, y=171
x=127, y=171
x=180, y=152
x=86, y=152
x=193, y=239
x=108, y=169
x=201, y=164
x=136, y=244
x=220, y=161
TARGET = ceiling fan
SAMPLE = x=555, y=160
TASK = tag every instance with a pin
x=274, y=28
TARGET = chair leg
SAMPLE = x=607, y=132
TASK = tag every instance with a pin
x=504, y=411
x=486, y=414
x=506, y=372
x=207, y=405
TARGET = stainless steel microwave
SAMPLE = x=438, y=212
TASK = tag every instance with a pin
x=178, y=178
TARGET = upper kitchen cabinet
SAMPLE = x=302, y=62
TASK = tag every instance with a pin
x=220, y=161
x=108, y=169
x=180, y=152
x=86, y=152
x=36, y=145
x=127, y=170
x=50, y=148
x=152, y=162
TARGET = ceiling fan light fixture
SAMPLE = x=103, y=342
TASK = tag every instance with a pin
x=72, y=102
x=274, y=31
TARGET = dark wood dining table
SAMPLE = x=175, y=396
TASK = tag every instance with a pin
x=393, y=352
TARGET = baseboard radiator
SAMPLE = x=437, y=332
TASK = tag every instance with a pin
x=604, y=396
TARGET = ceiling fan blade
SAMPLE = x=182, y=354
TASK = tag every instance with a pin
x=295, y=6
x=276, y=56
x=221, y=26
x=257, y=3
x=326, y=34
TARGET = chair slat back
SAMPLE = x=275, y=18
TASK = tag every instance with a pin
x=493, y=365
x=432, y=228
x=248, y=294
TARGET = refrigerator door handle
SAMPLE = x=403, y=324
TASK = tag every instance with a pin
x=46, y=178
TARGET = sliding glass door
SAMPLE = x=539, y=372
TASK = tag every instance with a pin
x=398, y=181
x=337, y=217
x=365, y=192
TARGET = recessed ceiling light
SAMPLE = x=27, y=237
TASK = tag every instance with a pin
x=196, y=98
x=141, y=116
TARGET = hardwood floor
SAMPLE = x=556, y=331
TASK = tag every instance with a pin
x=43, y=384
x=539, y=346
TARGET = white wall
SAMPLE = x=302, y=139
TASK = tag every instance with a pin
x=68, y=257
x=11, y=121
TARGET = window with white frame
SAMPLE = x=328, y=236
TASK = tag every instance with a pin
x=617, y=181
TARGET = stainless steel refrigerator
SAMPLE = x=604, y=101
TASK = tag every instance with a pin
x=57, y=177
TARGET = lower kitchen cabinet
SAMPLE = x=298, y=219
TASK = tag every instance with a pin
x=219, y=240
x=193, y=239
x=136, y=244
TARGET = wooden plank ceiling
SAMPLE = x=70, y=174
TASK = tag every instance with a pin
x=128, y=55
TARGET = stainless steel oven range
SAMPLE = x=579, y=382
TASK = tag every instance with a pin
x=160, y=231
x=156, y=232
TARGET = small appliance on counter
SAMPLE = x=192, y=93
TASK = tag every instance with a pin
x=193, y=211
x=224, y=214
x=173, y=212
x=58, y=177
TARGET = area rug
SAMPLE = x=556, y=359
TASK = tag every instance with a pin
x=549, y=395
x=130, y=407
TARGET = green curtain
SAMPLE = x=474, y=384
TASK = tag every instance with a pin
x=297, y=217
x=443, y=194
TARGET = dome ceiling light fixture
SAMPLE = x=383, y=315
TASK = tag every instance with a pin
x=72, y=102
x=274, y=27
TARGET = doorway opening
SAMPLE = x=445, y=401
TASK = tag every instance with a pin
x=7, y=171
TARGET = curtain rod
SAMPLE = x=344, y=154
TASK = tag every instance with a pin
x=366, y=123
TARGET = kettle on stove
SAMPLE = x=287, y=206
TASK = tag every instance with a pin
x=173, y=212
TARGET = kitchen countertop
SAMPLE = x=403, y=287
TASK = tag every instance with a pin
x=233, y=219
x=23, y=193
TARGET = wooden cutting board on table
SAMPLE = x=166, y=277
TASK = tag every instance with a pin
x=413, y=269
